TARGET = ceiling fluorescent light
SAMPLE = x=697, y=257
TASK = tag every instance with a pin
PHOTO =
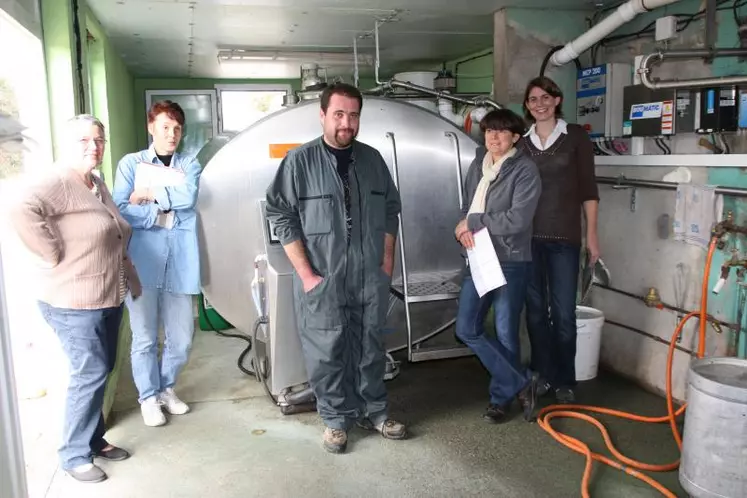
x=329, y=58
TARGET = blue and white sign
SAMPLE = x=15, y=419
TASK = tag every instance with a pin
x=646, y=111
x=592, y=71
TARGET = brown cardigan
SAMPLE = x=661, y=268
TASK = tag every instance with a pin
x=81, y=240
x=568, y=180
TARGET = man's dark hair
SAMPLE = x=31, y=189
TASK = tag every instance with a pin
x=503, y=120
x=549, y=87
x=341, y=89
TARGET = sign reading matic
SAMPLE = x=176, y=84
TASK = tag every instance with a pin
x=646, y=111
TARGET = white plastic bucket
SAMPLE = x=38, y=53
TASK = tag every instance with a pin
x=589, y=322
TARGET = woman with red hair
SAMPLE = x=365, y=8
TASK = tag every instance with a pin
x=164, y=248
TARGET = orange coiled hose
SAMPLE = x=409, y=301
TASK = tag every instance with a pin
x=623, y=463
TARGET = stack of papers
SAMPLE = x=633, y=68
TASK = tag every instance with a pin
x=148, y=175
x=487, y=273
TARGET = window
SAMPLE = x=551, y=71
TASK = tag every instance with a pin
x=23, y=95
x=243, y=105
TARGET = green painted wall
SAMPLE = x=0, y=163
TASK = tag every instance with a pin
x=112, y=97
x=58, y=48
x=474, y=72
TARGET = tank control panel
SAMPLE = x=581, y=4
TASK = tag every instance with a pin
x=276, y=256
x=268, y=228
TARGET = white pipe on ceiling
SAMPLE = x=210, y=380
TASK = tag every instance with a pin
x=623, y=14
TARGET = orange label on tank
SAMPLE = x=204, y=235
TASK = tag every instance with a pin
x=279, y=151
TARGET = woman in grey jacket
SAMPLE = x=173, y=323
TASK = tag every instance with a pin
x=501, y=192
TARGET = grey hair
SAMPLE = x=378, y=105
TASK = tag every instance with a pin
x=90, y=119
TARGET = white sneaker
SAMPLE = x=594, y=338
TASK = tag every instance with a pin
x=172, y=403
x=151, y=411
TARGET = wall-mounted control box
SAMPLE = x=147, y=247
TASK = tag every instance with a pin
x=599, y=98
x=717, y=109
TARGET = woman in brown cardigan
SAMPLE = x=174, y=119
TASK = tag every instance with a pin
x=68, y=221
x=564, y=155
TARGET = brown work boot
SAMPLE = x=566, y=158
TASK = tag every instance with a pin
x=390, y=429
x=335, y=440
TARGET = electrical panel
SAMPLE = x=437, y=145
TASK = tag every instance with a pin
x=599, y=98
x=743, y=108
x=716, y=110
x=648, y=113
x=684, y=119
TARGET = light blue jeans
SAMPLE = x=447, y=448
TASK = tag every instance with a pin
x=89, y=340
x=153, y=308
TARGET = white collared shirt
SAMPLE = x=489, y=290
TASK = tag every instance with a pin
x=561, y=128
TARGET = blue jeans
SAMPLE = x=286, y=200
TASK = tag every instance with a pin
x=175, y=312
x=551, y=311
x=500, y=357
x=89, y=340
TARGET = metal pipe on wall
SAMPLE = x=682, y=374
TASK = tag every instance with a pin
x=355, y=56
x=670, y=307
x=377, y=63
x=623, y=14
x=656, y=58
x=647, y=334
x=443, y=95
x=621, y=181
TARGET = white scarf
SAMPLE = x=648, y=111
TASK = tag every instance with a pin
x=490, y=171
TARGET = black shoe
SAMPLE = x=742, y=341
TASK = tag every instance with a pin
x=114, y=454
x=528, y=399
x=564, y=396
x=496, y=414
x=543, y=387
x=89, y=476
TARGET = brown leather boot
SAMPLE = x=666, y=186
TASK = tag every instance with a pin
x=335, y=440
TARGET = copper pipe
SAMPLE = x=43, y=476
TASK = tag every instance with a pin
x=670, y=307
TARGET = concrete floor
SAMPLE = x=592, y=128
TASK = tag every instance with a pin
x=234, y=443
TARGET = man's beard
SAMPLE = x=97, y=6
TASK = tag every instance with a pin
x=344, y=142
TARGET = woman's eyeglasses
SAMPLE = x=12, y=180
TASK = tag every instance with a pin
x=100, y=142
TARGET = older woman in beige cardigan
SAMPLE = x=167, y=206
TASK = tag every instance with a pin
x=67, y=219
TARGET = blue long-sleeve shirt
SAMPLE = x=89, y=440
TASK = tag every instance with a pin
x=164, y=259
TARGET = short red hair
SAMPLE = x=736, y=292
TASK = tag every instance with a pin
x=171, y=109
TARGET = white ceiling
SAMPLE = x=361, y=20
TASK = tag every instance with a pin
x=155, y=37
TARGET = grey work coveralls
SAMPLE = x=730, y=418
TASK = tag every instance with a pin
x=340, y=320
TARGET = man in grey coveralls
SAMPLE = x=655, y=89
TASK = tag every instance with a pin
x=334, y=206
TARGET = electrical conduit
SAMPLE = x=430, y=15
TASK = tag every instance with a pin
x=628, y=465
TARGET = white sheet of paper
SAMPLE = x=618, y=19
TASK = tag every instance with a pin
x=486, y=270
x=165, y=220
x=149, y=175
